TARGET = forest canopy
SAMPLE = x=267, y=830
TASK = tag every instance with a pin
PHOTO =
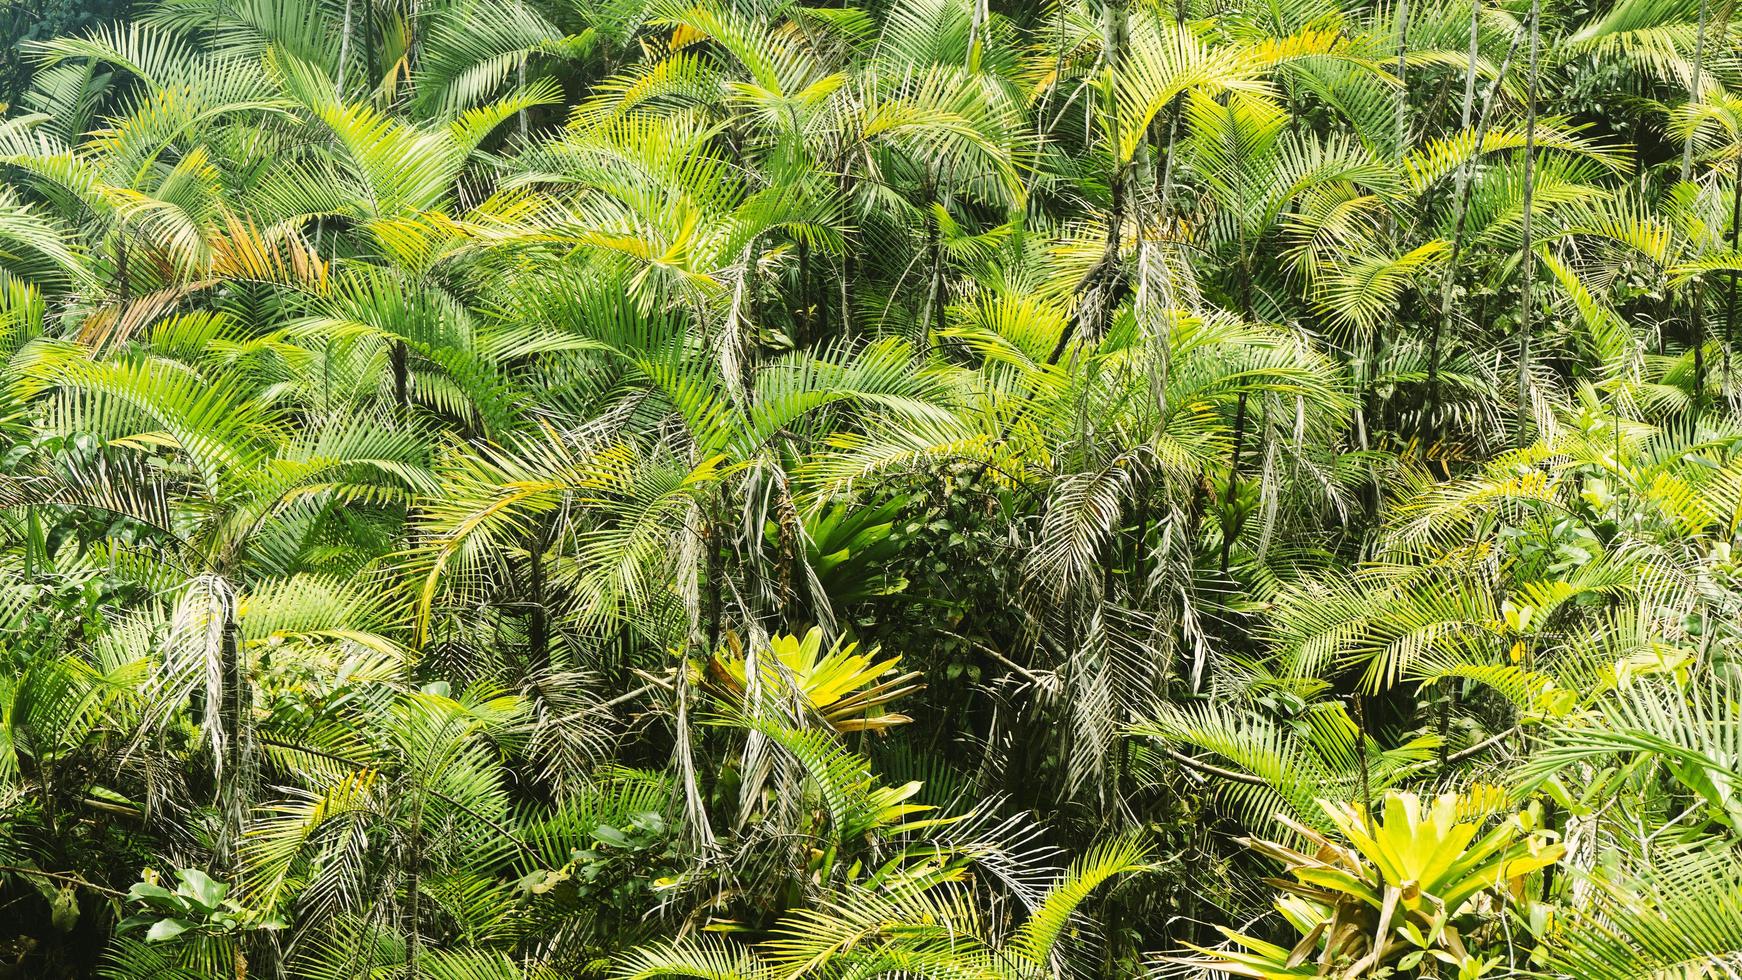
x=745, y=490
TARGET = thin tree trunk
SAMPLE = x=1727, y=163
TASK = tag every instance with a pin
x=845, y=298
x=1694, y=88
x=1244, y=287
x=937, y=283
x=716, y=584
x=230, y=665
x=1461, y=194
x=401, y=379
x=1118, y=33
x=1164, y=192
x=980, y=14
x=1445, y=725
x=1232, y=531
x=935, y=289
x=34, y=542
x=369, y=76
x=1527, y=260
x=817, y=296
x=123, y=285
x=804, y=319
x=414, y=894
x=344, y=50
x=1551, y=822
x=234, y=706
x=1735, y=240
x=412, y=45
x=1361, y=750
x=1697, y=314
x=1442, y=322
x=848, y=262
x=1402, y=78
x=538, y=629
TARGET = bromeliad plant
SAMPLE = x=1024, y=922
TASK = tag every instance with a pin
x=1419, y=886
x=847, y=689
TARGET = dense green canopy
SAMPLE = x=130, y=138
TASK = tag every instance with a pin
x=739, y=490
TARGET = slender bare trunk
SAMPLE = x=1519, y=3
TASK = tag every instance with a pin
x=1165, y=191
x=1442, y=321
x=805, y=321
x=1527, y=260
x=414, y=895
x=401, y=377
x=1694, y=88
x=1361, y=750
x=231, y=804
x=1229, y=501
x=123, y=285
x=344, y=49
x=848, y=261
x=934, y=319
x=1461, y=192
x=232, y=796
x=1697, y=314
x=1402, y=78
x=1118, y=35
x=845, y=297
x=538, y=629
x=716, y=571
x=413, y=38
x=1735, y=241
x=1694, y=311
x=369, y=75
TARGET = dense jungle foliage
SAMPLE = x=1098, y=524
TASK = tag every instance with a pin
x=740, y=490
